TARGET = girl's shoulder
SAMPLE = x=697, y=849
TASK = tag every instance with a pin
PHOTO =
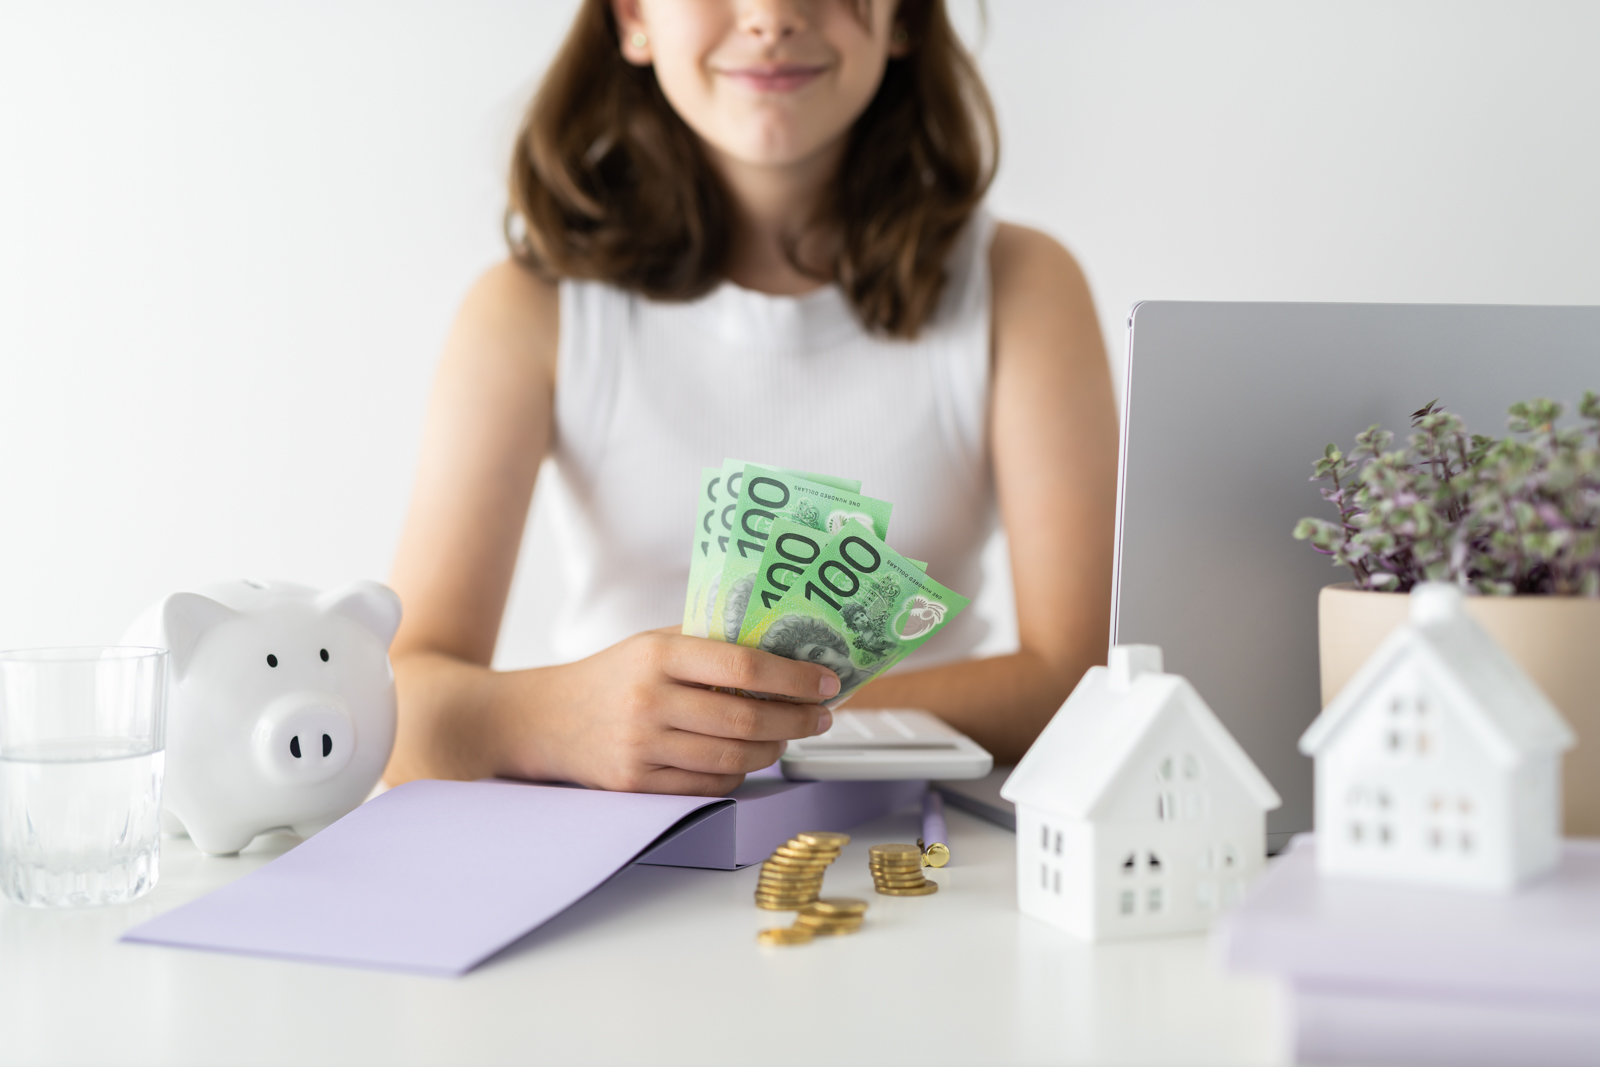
x=1042, y=311
x=1020, y=253
x=511, y=314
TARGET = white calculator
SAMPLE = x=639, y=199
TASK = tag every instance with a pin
x=885, y=745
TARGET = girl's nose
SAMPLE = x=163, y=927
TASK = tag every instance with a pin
x=771, y=20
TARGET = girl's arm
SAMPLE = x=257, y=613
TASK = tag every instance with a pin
x=634, y=717
x=1053, y=436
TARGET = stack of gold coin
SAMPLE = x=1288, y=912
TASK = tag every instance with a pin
x=832, y=915
x=791, y=877
x=897, y=871
x=821, y=918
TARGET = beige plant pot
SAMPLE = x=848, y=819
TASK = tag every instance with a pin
x=1555, y=639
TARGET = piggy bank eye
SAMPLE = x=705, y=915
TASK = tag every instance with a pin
x=324, y=655
x=272, y=661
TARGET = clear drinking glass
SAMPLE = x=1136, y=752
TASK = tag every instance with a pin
x=82, y=740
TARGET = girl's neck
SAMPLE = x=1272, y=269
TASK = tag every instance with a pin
x=772, y=206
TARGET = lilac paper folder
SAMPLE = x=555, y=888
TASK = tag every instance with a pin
x=1334, y=1025
x=1387, y=973
x=436, y=877
x=431, y=876
x=768, y=811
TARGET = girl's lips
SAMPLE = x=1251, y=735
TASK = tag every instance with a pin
x=774, y=79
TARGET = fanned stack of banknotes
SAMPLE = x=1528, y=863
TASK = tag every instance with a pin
x=796, y=564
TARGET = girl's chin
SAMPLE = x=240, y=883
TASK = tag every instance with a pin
x=773, y=146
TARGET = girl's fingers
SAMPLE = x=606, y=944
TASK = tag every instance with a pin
x=702, y=662
x=701, y=711
x=684, y=783
x=719, y=756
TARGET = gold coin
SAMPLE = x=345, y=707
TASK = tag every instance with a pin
x=827, y=931
x=918, y=891
x=823, y=839
x=840, y=906
x=807, y=894
x=778, y=905
x=806, y=855
x=896, y=850
x=877, y=868
x=809, y=916
x=784, y=935
x=914, y=860
x=908, y=879
x=780, y=874
x=909, y=872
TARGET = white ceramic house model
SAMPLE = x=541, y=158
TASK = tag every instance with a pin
x=1440, y=760
x=1137, y=812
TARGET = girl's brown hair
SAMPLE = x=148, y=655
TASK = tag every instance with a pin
x=608, y=183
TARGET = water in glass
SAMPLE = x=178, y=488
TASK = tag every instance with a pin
x=80, y=822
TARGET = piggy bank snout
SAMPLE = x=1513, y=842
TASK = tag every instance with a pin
x=303, y=738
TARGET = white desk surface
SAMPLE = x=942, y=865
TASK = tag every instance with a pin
x=658, y=966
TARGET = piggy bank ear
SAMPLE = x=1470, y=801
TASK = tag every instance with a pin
x=373, y=606
x=187, y=616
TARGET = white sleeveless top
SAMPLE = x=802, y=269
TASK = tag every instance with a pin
x=647, y=393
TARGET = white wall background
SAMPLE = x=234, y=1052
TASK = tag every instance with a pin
x=232, y=235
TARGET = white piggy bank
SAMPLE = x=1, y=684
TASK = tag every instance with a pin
x=281, y=707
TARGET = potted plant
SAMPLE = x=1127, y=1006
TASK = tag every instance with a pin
x=1514, y=519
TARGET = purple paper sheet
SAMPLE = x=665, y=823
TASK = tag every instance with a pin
x=1542, y=941
x=431, y=876
x=436, y=877
x=1361, y=1026
x=1389, y=973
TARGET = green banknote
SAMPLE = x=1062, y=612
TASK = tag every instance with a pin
x=710, y=501
x=858, y=609
x=769, y=494
x=791, y=548
x=719, y=497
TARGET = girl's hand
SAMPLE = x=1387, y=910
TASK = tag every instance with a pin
x=639, y=717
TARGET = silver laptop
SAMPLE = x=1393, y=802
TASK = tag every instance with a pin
x=1225, y=408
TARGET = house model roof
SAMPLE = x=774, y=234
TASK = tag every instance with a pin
x=1500, y=704
x=1082, y=753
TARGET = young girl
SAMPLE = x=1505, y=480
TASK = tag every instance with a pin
x=753, y=229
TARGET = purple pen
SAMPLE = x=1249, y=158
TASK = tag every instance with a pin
x=935, y=850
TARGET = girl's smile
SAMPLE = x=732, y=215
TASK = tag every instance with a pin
x=772, y=78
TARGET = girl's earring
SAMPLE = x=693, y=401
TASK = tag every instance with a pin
x=900, y=37
x=638, y=40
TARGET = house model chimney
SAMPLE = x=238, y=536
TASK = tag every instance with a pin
x=1130, y=661
x=1433, y=602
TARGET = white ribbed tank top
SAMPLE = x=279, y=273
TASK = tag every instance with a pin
x=647, y=393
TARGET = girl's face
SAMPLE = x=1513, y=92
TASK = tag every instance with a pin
x=765, y=82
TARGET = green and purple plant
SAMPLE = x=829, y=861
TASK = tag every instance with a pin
x=1516, y=514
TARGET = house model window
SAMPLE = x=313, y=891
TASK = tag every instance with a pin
x=1137, y=812
x=1439, y=762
